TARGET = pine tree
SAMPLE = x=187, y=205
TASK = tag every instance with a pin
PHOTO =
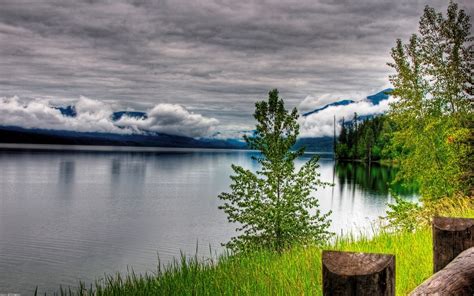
x=369, y=139
x=342, y=144
x=274, y=207
x=356, y=137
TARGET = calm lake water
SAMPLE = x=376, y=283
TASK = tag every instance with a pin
x=74, y=215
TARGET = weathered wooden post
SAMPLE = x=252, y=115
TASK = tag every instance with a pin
x=451, y=236
x=456, y=278
x=348, y=273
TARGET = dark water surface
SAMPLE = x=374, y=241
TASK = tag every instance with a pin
x=74, y=215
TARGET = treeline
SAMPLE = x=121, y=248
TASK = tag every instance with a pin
x=366, y=139
x=428, y=129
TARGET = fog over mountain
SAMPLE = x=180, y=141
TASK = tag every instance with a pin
x=95, y=116
x=320, y=123
x=88, y=115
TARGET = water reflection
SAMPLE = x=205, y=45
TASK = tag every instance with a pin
x=130, y=166
x=128, y=175
x=374, y=178
x=66, y=178
x=67, y=171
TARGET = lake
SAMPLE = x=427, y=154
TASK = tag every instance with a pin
x=74, y=215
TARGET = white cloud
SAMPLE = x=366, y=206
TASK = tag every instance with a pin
x=312, y=102
x=172, y=119
x=95, y=116
x=322, y=123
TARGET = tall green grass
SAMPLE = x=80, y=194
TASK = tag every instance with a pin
x=295, y=272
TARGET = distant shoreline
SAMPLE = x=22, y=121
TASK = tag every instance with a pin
x=110, y=148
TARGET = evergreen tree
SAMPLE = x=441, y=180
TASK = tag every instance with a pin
x=350, y=140
x=341, y=145
x=369, y=142
x=343, y=134
x=373, y=136
x=356, y=137
x=274, y=207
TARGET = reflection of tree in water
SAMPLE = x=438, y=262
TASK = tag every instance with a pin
x=67, y=174
x=374, y=178
x=67, y=171
x=131, y=166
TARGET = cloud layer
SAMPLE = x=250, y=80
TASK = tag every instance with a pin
x=217, y=57
x=321, y=124
x=96, y=116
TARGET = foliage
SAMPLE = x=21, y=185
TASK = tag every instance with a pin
x=367, y=140
x=261, y=272
x=403, y=214
x=433, y=110
x=408, y=216
x=273, y=206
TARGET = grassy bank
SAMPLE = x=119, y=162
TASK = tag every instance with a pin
x=295, y=272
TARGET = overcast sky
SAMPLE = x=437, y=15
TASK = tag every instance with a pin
x=214, y=58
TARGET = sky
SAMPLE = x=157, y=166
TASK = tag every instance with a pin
x=197, y=66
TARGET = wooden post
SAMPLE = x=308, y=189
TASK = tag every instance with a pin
x=451, y=236
x=347, y=273
x=456, y=278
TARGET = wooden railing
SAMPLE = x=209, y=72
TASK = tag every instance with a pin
x=347, y=273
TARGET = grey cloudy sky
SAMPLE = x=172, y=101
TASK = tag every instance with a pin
x=216, y=58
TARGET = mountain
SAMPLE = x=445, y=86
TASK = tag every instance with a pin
x=68, y=111
x=11, y=134
x=338, y=103
x=320, y=144
x=375, y=99
x=134, y=114
x=14, y=134
x=380, y=96
x=326, y=144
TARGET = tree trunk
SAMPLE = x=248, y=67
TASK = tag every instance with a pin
x=347, y=273
x=451, y=236
x=457, y=278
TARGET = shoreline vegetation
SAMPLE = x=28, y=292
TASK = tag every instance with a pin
x=387, y=162
x=296, y=271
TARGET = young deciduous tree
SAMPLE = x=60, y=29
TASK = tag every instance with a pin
x=274, y=208
x=433, y=110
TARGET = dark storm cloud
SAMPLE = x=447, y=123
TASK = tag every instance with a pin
x=214, y=57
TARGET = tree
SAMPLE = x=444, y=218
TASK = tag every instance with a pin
x=356, y=136
x=433, y=110
x=274, y=207
x=369, y=142
x=342, y=150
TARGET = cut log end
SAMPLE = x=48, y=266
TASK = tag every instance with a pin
x=349, y=263
x=452, y=224
x=347, y=273
x=451, y=236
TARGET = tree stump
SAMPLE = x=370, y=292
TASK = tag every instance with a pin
x=451, y=236
x=456, y=278
x=347, y=273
